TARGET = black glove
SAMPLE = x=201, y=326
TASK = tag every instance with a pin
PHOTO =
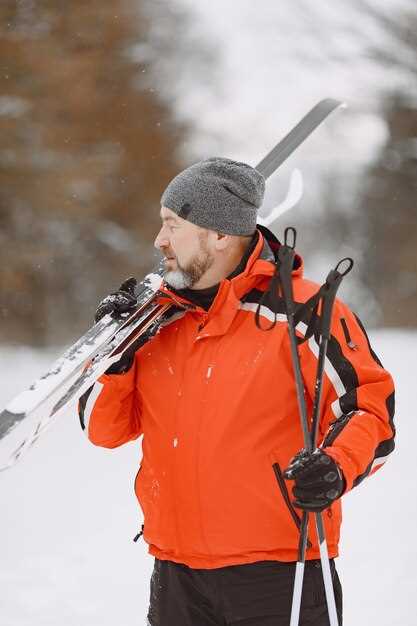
x=118, y=302
x=318, y=480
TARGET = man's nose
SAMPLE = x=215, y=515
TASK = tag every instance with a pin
x=161, y=240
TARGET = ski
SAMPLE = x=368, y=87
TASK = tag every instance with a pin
x=297, y=135
x=39, y=400
x=137, y=331
x=105, y=342
x=144, y=327
x=293, y=197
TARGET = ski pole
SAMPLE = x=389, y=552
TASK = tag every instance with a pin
x=328, y=297
x=286, y=256
x=332, y=284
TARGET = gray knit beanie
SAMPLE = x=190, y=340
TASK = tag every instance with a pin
x=218, y=194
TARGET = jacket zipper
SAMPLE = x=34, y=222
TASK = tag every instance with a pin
x=285, y=495
x=136, y=537
x=352, y=345
x=336, y=428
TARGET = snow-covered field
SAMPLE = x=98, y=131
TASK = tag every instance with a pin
x=68, y=515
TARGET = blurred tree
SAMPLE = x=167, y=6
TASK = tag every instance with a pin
x=389, y=210
x=373, y=216
x=387, y=207
x=86, y=148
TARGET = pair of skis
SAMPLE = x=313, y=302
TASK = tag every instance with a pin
x=32, y=412
x=27, y=417
x=326, y=297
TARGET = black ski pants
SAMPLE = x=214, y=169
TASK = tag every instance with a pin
x=256, y=594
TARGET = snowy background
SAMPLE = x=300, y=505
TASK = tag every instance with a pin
x=68, y=516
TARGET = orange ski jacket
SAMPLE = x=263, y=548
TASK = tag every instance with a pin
x=214, y=397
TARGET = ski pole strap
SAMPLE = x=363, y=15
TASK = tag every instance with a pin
x=267, y=300
x=319, y=325
x=281, y=282
x=286, y=255
x=328, y=297
x=332, y=284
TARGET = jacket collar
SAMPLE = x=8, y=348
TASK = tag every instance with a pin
x=262, y=262
x=260, y=265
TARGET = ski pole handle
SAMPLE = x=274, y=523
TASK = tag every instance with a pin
x=332, y=284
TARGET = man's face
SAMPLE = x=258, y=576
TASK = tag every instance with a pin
x=186, y=250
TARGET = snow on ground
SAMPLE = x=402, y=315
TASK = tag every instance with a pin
x=68, y=515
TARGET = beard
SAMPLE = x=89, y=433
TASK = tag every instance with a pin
x=185, y=277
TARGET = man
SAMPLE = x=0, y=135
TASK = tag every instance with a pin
x=214, y=396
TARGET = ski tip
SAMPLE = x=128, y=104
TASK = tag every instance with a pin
x=8, y=420
x=330, y=104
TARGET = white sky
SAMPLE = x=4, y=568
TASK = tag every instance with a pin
x=274, y=61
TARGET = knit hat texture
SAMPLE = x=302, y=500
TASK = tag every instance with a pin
x=218, y=194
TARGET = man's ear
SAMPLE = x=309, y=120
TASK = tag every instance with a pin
x=221, y=241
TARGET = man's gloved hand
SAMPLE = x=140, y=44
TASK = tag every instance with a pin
x=121, y=301
x=318, y=480
x=118, y=303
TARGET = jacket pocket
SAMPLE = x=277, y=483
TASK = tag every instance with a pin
x=284, y=491
x=136, y=478
x=140, y=533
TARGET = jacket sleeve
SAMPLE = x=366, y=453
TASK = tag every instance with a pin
x=357, y=409
x=109, y=411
